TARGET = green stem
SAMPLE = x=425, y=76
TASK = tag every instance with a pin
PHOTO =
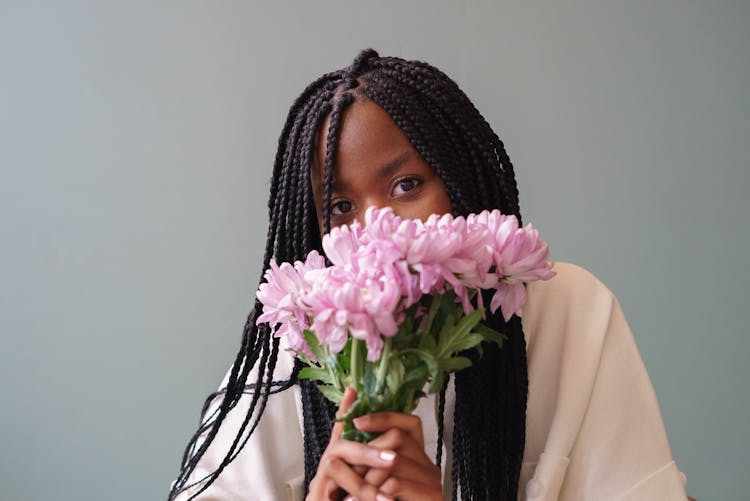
x=385, y=359
x=434, y=306
x=357, y=367
x=437, y=300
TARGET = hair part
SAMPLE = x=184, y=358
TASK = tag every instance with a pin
x=452, y=136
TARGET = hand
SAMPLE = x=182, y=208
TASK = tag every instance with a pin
x=412, y=476
x=336, y=475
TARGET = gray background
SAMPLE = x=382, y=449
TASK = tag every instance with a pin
x=136, y=144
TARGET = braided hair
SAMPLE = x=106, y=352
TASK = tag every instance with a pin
x=451, y=135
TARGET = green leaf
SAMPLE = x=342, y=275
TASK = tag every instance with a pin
x=437, y=382
x=301, y=355
x=331, y=393
x=425, y=356
x=332, y=362
x=416, y=374
x=455, y=364
x=466, y=343
x=447, y=332
x=427, y=342
x=315, y=347
x=467, y=323
x=490, y=335
x=344, y=357
x=370, y=379
x=316, y=374
x=460, y=333
x=394, y=378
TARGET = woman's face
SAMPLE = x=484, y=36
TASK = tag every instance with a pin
x=375, y=165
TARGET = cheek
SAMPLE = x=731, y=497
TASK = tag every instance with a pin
x=439, y=199
x=445, y=203
x=436, y=201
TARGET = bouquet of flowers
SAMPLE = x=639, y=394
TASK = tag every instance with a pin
x=400, y=303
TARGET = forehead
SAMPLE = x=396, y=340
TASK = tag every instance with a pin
x=367, y=137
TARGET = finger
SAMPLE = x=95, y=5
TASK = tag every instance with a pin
x=411, y=463
x=401, y=442
x=408, y=490
x=427, y=474
x=356, y=454
x=350, y=396
x=343, y=476
x=382, y=421
x=376, y=476
x=322, y=487
x=423, y=472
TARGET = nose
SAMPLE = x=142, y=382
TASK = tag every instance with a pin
x=361, y=218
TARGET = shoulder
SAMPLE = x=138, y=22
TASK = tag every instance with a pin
x=570, y=282
x=574, y=297
x=566, y=322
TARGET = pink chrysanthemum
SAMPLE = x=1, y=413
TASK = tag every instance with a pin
x=383, y=268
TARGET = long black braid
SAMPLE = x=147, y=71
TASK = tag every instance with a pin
x=454, y=139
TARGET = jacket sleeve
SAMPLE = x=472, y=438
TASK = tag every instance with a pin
x=594, y=427
x=621, y=450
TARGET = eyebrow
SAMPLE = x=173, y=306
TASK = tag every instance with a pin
x=384, y=171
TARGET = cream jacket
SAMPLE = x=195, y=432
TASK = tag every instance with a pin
x=594, y=430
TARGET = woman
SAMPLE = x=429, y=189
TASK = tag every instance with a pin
x=564, y=410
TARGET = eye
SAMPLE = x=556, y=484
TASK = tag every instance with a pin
x=405, y=185
x=340, y=207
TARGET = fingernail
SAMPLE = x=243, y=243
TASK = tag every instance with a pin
x=383, y=497
x=387, y=456
x=361, y=419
